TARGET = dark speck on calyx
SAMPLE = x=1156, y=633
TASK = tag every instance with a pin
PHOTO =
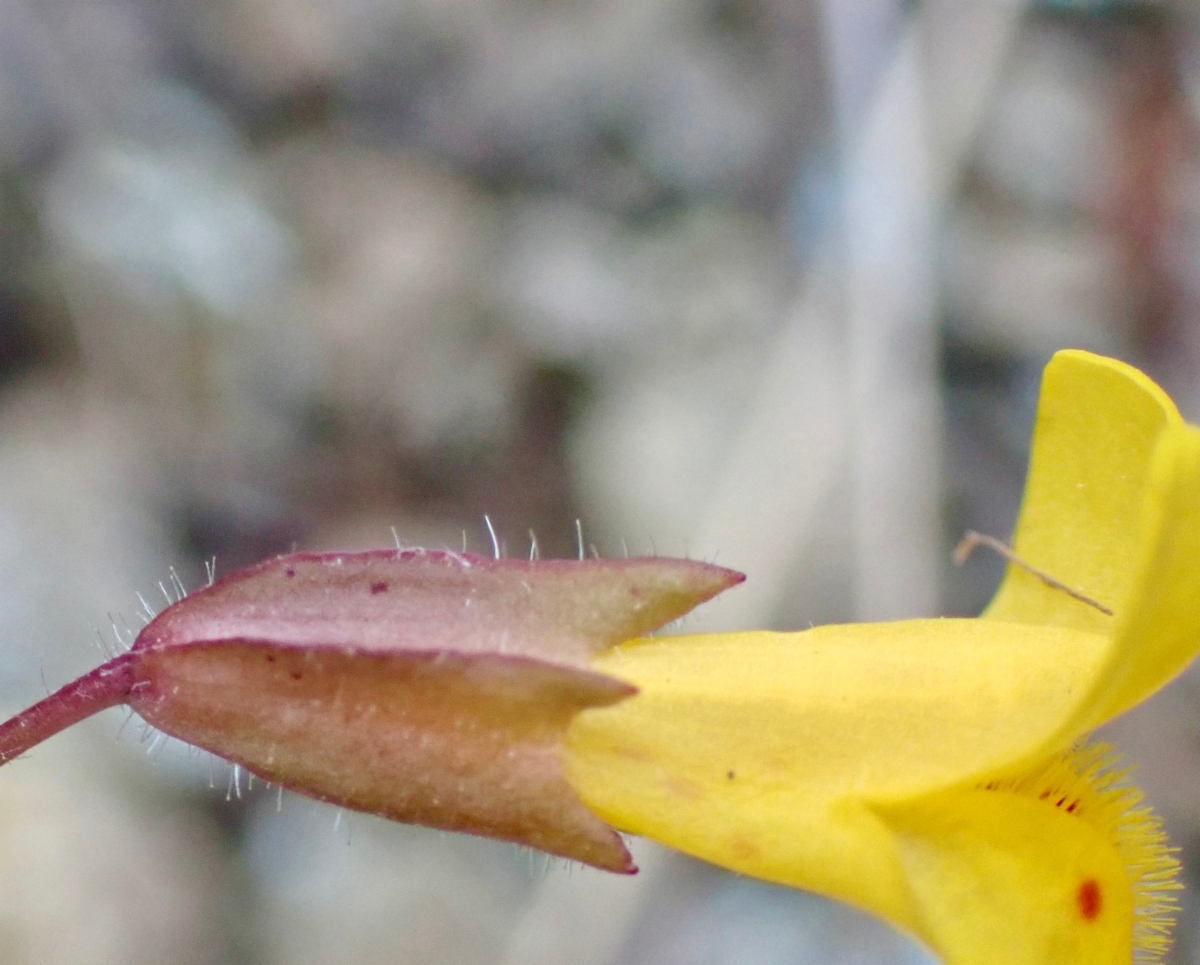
x=377, y=588
x=290, y=572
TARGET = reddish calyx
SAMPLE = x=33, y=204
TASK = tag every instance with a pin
x=429, y=687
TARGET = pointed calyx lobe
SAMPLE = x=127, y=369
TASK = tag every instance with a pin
x=423, y=686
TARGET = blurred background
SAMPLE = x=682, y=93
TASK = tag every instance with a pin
x=769, y=282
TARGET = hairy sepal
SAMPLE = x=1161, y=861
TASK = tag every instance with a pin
x=460, y=741
x=386, y=600
x=430, y=687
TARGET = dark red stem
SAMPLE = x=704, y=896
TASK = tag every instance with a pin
x=104, y=687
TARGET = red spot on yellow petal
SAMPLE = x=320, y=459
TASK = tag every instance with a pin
x=1090, y=899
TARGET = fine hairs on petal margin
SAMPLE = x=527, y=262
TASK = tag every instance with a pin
x=1088, y=782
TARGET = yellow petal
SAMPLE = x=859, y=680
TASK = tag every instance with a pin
x=1098, y=421
x=1157, y=632
x=755, y=750
x=1005, y=880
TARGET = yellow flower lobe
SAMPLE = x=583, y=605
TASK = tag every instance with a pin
x=1088, y=782
x=1055, y=862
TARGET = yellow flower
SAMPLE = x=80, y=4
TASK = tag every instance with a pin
x=933, y=772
